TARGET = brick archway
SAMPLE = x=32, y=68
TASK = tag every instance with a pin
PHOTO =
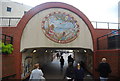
x=21, y=25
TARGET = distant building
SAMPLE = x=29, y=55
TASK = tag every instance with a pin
x=12, y=10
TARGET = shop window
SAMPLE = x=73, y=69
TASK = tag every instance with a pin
x=9, y=9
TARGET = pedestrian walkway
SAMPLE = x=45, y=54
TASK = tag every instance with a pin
x=52, y=71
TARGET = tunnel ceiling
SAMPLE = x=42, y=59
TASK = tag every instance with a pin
x=38, y=50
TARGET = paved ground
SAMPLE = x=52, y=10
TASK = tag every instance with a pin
x=52, y=71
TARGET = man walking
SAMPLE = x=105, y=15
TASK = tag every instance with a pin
x=104, y=70
x=61, y=63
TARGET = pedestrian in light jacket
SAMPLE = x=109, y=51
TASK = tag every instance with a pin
x=36, y=74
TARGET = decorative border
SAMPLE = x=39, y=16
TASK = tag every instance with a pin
x=65, y=17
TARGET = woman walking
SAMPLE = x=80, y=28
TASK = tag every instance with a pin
x=79, y=73
x=37, y=74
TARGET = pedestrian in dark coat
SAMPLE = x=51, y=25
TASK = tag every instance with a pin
x=70, y=59
x=61, y=63
x=70, y=74
x=57, y=55
x=79, y=73
x=104, y=70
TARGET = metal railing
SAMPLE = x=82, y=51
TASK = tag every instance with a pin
x=6, y=39
x=13, y=21
x=9, y=21
x=105, y=25
x=109, y=41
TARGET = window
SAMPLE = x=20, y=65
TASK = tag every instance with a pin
x=9, y=9
x=25, y=12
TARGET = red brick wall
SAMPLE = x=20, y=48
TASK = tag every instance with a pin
x=8, y=61
x=113, y=58
x=101, y=32
x=8, y=30
x=111, y=55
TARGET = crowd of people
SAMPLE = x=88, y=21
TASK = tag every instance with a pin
x=73, y=73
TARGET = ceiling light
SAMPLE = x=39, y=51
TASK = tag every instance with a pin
x=34, y=51
x=85, y=51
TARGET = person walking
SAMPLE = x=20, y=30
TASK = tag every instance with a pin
x=36, y=74
x=57, y=55
x=104, y=70
x=79, y=73
x=70, y=74
x=70, y=59
x=61, y=63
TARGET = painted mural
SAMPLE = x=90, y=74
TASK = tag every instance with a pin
x=27, y=66
x=60, y=27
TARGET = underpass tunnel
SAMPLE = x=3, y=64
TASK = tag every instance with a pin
x=86, y=57
x=54, y=27
x=49, y=62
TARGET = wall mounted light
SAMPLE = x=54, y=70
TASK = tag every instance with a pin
x=85, y=51
x=34, y=51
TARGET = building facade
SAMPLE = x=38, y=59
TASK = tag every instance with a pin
x=11, y=12
x=56, y=26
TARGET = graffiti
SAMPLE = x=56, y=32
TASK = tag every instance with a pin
x=60, y=27
x=27, y=64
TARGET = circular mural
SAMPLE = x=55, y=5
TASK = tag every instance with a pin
x=60, y=27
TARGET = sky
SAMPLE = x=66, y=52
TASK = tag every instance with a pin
x=95, y=10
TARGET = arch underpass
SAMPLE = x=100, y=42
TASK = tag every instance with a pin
x=50, y=63
x=49, y=27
